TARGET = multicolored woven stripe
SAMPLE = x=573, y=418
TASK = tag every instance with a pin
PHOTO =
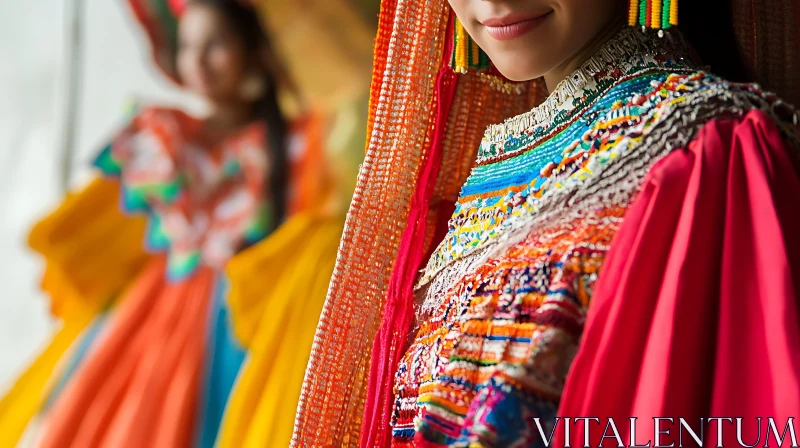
x=466, y=369
x=656, y=14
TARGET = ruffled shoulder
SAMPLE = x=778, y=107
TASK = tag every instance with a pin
x=143, y=156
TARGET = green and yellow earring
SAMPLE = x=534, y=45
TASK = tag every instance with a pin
x=466, y=56
x=654, y=14
x=466, y=53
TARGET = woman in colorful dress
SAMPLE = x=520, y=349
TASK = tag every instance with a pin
x=611, y=234
x=154, y=337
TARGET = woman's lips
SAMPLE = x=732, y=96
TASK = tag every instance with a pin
x=512, y=26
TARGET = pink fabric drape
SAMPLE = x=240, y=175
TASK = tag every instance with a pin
x=696, y=310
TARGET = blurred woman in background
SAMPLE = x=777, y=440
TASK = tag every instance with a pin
x=147, y=354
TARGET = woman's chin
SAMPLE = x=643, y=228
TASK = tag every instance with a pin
x=519, y=72
x=213, y=96
x=521, y=64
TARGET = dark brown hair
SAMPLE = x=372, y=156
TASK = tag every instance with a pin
x=708, y=26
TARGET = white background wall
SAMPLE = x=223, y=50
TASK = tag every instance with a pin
x=116, y=68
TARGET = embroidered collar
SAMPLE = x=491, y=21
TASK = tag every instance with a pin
x=629, y=52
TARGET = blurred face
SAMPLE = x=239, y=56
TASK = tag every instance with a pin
x=526, y=39
x=212, y=61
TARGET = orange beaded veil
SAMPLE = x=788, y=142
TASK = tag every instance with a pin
x=409, y=51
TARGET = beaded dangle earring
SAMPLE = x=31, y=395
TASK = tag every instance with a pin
x=466, y=56
x=654, y=14
x=466, y=53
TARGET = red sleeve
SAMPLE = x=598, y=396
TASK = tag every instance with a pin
x=696, y=310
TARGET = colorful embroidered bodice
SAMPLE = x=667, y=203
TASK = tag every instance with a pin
x=205, y=202
x=502, y=302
